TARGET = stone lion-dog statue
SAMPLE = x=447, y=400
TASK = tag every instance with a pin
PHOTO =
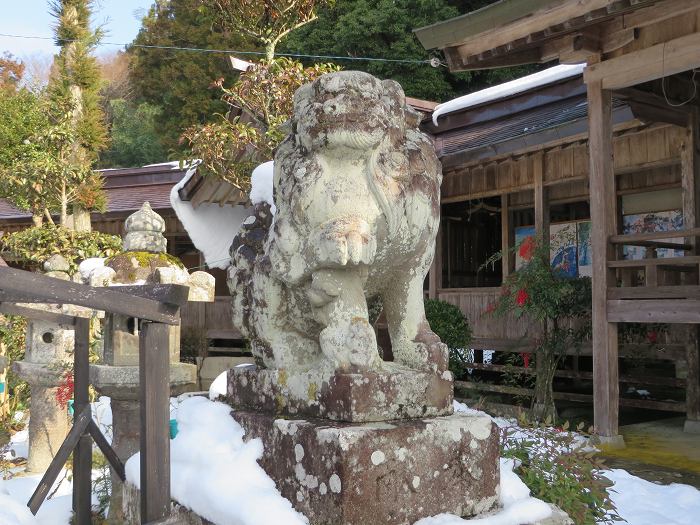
x=357, y=196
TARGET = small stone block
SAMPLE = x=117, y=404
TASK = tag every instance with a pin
x=380, y=473
x=691, y=426
x=392, y=393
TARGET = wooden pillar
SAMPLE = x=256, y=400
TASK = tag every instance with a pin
x=435, y=273
x=690, y=182
x=82, y=455
x=154, y=379
x=507, y=261
x=603, y=224
x=541, y=198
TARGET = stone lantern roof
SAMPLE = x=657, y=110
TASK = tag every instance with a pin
x=144, y=231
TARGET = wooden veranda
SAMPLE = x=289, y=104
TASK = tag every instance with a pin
x=640, y=51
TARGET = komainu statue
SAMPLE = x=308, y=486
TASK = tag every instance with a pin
x=357, y=195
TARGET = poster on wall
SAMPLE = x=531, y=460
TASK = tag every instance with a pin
x=562, y=249
x=522, y=233
x=583, y=241
x=660, y=221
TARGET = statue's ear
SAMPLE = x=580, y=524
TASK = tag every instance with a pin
x=394, y=92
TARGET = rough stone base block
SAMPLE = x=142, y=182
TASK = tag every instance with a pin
x=691, y=426
x=380, y=473
x=393, y=393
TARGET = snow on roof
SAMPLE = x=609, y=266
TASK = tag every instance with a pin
x=507, y=89
x=173, y=164
x=211, y=227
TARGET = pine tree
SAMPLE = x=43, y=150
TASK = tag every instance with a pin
x=74, y=91
x=182, y=83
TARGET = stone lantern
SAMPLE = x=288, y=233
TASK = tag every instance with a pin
x=144, y=261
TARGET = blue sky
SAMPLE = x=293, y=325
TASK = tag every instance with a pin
x=120, y=18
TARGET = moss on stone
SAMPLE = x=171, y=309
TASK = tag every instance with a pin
x=145, y=259
x=135, y=266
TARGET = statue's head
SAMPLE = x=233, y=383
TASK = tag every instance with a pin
x=348, y=109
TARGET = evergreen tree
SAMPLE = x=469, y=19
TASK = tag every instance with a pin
x=134, y=137
x=182, y=83
x=74, y=92
x=384, y=29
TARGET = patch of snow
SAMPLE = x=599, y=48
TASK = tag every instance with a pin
x=218, y=386
x=14, y=512
x=211, y=227
x=518, y=507
x=261, y=182
x=464, y=409
x=216, y=474
x=102, y=414
x=18, y=447
x=90, y=265
x=15, y=493
x=507, y=89
x=641, y=502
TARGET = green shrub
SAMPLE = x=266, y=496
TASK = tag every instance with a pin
x=558, y=469
x=35, y=245
x=450, y=324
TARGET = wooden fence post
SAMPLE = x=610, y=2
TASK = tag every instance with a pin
x=82, y=455
x=154, y=379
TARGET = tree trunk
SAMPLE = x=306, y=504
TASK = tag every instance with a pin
x=81, y=219
x=64, y=206
x=543, y=407
x=37, y=220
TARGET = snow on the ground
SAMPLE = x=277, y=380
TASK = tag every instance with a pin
x=641, y=502
x=15, y=493
x=261, y=182
x=216, y=474
x=211, y=227
x=507, y=89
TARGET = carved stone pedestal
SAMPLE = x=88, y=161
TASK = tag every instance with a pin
x=395, y=392
x=380, y=473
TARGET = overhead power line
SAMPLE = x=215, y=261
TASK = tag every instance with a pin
x=430, y=62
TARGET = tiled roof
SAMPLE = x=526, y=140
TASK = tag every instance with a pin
x=126, y=189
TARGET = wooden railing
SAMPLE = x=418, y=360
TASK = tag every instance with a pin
x=673, y=352
x=157, y=306
x=667, y=278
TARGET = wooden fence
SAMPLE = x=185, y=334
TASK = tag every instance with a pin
x=157, y=306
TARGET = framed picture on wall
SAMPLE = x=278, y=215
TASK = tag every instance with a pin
x=659, y=221
x=583, y=242
x=562, y=249
x=522, y=233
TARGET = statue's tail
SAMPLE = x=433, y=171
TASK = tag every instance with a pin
x=246, y=251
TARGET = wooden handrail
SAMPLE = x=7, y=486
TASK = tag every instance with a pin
x=631, y=238
x=159, y=306
x=690, y=260
x=20, y=286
